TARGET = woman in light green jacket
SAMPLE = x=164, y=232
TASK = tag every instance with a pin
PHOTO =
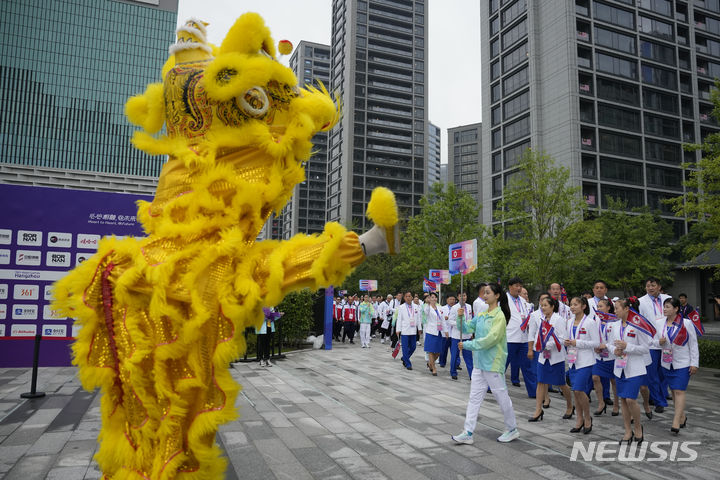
x=489, y=349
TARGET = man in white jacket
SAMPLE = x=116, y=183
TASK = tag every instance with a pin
x=517, y=339
x=651, y=307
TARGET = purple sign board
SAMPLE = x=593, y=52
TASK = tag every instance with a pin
x=44, y=233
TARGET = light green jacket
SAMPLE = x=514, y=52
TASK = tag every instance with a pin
x=490, y=344
x=366, y=312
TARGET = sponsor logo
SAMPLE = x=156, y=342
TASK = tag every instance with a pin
x=48, y=292
x=81, y=257
x=87, y=241
x=60, y=240
x=23, y=330
x=54, y=330
x=4, y=256
x=5, y=236
x=57, y=259
x=26, y=292
x=24, y=312
x=2, y=329
x=75, y=330
x=29, y=238
x=647, y=452
x=27, y=257
x=51, y=314
x=3, y=291
x=3, y=311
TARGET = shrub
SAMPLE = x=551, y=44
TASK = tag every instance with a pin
x=709, y=353
x=298, y=318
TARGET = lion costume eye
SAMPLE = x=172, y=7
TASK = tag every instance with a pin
x=255, y=102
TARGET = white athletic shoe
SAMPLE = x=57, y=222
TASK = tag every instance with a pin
x=464, y=437
x=262, y=363
x=509, y=436
x=364, y=346
x=268, y=364
x=382, y=340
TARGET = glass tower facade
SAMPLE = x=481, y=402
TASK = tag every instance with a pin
x=378, y=66
x=66, y=69
x=305, y=213
x=433, y=170
x=610, y=88
x=464, y=147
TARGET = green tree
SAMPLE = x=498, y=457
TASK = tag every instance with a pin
x=538, y=207
x=701, y=201
x=619, y=246
x=298, y=318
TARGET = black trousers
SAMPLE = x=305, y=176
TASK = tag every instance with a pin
x=337, y=326
x=349, y=330
x=263, y=345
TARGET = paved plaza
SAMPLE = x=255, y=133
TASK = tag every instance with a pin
x=355, y=413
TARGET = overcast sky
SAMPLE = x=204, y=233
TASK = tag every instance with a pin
x=454, y=45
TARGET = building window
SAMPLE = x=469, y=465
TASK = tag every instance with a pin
x=496, y=116
x=517, y=129
x=494, y=70
x=663, y=152
x=590, y=194
x=662, y=126
x=495, y=48
x=617, y=117
x=494, y=26
x=515, y=58
x=617, y=91
x=620, y=144
x=515, y=34
x=657, y=52
x=497, y=186
x=616, y=16
x=662, y=7
x=633, y=198
x=621, y=171
x=587, y=112
x=513, y=12
x=514, y=154
x=655, y=28
x=496, y=162
x=496, y=138
x=662, y=177
x=616, y=65
x=616, y=41
x=659, y=76
x=587, y=138
x=659, y=101
x=516, y=105
x=515, y=81
x=589, y=168
x=495, y=92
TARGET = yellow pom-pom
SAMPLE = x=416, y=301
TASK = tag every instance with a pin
x=382, y=209
x=285, y=47
x=147, y=110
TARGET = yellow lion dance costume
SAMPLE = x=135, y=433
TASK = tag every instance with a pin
x=163, y=316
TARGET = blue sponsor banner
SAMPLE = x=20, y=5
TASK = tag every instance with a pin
x=44, y=233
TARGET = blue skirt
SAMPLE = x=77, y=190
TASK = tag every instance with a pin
x=604, y=369
x=433, y=343
x=629, y=387
x=677, y=379
x=551, y=374
x=579, y=377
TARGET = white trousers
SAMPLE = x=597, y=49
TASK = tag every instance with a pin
x=479, y=383
x=364, y=334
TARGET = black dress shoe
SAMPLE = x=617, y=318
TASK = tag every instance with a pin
x=600, y=412
x=615, y=414
x=539, y=417
x=576, y=429
x=649, y=415
x=516, y=384
x=684, y=424
x=640, y=440
x=674, y=431
x=587, y=430
x=454, y=377
x=409, y=368
x=659, y=409
x=569, y=415
x=608, y=401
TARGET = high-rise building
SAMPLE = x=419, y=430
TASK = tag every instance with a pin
x=610, y=89
x=444, y=172
x=433, y=168
x=66, y=69
x=379, y=61
x=464, y=147
x=305, y=213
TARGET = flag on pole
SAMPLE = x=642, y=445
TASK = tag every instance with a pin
x=641, y=323
x=368, y=285
x=429, y=285
x=463, y=257
x=440, y=276
x=563, y=295
x=694, y=317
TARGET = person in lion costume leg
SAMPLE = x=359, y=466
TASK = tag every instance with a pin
x=162, y=316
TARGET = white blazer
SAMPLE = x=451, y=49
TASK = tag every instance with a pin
x=452, y=321
x=514, y=334
x=534, y=325
x=607, y=339
x=408, y=319
x=479, y=306
x=559, y=324
x=638, y=344
x=586, y=339
x=684, y=356
x=649, y=310
x=433, y=319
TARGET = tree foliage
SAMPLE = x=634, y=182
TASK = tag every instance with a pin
x=701, y=201
x=538, y=207
x=298, y=318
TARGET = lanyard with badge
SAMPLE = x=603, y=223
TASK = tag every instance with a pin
x=621, y=361
x=439, y=320
x=411, y=312
x=575, y=332
x=604, y=325
x=672, y=333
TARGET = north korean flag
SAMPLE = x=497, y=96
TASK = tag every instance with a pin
x=456, y=253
